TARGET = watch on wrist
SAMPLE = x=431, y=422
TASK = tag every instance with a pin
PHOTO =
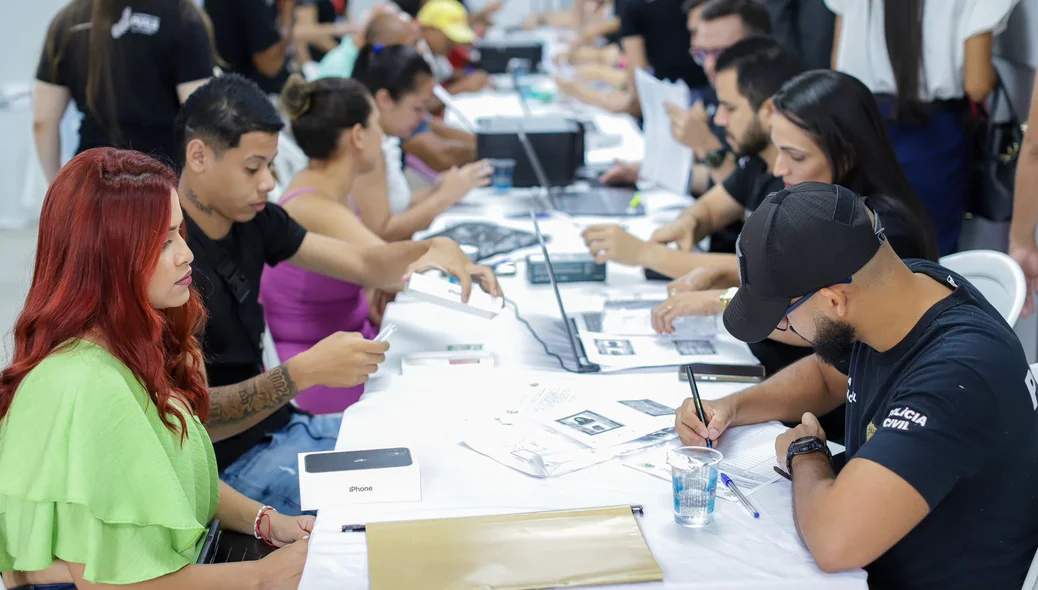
x=727, y=297
x=714, y=159
x=804, y=446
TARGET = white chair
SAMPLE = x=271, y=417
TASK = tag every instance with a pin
x=289, y=162
x=1031, y=581
x=997, y=276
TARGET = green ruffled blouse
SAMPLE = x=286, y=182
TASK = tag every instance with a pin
x=89, y=474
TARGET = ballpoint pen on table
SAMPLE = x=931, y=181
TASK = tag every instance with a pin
x=738, y=494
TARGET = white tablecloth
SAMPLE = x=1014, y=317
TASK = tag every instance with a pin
x=428, y=416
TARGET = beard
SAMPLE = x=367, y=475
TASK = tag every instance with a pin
x=754, y=140
x=834, y=341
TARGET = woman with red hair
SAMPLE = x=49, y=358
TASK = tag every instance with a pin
x=109, y=476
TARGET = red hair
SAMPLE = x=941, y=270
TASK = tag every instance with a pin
x=102, y=229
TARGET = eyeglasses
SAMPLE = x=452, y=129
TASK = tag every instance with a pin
x=877, y=228
x=699, y=55
x=784, y=324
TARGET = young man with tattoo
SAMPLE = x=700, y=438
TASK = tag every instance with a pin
x=228, y=131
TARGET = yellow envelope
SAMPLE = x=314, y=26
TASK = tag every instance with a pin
x=511, y=552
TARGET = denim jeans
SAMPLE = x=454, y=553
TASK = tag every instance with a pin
x=46, y=587
x=268, y=472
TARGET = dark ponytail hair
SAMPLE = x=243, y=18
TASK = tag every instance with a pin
x=903, y=28
x=842, y=117
x=397, y=69
x=321, y=110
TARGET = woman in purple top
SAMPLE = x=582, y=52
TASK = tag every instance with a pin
x=336, y=124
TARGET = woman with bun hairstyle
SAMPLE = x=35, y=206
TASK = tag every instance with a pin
x=109, y=476
x=401, y=83
x=336, y=124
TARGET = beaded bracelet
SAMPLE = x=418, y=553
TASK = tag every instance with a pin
x=257, y=526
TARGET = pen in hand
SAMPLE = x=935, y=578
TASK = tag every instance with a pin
x=697, y=401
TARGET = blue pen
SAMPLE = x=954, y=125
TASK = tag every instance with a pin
x=728, y=483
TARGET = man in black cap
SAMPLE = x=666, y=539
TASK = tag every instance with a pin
x=942, y=428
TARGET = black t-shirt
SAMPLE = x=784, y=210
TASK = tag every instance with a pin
x=751, y=182
x=233, y=335
x=952, y=410
x=663, y=27
x=155, y=45
x=244, y=28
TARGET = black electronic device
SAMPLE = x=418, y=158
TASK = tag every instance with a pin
x=575, y=345
x=569, y=268
x=558, y=140
x=353, y=460
x=725, y=373
x=593, y=202
x=489, y=239
x=493, y=56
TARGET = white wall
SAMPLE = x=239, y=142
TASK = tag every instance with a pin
x=23, y=25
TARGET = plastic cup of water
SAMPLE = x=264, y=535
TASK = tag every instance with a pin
x=694, y=472
x=501, y=177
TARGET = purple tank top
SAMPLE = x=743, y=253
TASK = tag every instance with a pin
x=302, y=308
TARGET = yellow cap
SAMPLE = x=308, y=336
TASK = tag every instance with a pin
x=450, y=17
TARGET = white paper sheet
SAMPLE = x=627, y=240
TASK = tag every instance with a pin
x=667, y=162
x=749, y=458
x=600, y=424
x=614, y=352
x=527, y=436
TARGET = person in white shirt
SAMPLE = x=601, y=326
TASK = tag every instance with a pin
x=401, y=82
x=941, y=56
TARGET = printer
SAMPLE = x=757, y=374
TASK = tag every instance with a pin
x=558, y=142
x=493, y=56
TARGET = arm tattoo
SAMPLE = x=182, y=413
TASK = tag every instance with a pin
x=232, y=405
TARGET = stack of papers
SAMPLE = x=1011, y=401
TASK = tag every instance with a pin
x=620, y=337
x=556, y=429
x=667, y=163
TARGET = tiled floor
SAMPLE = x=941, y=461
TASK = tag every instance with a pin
x=17, y=248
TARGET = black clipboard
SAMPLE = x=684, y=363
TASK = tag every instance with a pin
x=231, y=547
x=211, y=544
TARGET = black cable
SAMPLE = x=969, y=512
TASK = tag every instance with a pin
x=515, y=308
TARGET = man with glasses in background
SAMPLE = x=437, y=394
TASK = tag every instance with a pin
x=713, y=26
x=942, y=436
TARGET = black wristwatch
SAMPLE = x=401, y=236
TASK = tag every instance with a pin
x=714, y=159
x=804, y=446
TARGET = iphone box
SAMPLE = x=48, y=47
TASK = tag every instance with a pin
x=338, y=478
x=445, y=293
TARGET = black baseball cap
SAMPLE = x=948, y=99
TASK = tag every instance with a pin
x=799, y=240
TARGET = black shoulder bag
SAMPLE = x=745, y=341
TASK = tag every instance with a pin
x=238, y=285
x=996, y=148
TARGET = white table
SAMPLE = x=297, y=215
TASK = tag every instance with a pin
x=428, y=415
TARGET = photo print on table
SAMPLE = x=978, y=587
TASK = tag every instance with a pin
x=614, y=347
x=694, y=347
x=589, y=423
x=648, y=406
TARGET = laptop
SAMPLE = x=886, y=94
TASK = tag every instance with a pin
x=575, y=345
x=596, y=201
